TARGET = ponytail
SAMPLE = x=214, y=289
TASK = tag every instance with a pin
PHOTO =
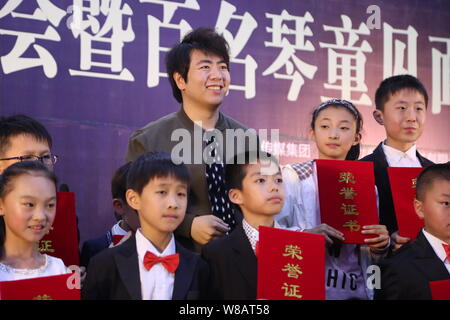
x=353, y=153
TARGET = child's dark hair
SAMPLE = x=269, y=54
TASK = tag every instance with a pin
x=391, y=85
x=7, y=184
x=235, y=171
x=119, y=182
x=21, y=124
x=353, y=153
x=430, y=174
x=178, y=58
x=152, y=165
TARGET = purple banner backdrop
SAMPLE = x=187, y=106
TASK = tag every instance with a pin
x=93, y=71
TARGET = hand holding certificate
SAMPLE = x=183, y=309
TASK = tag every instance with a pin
x=347, y=199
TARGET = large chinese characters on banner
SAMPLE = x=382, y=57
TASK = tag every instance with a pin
x=93, y=71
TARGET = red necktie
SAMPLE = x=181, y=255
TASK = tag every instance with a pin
x=447, y=251
x=257, y=249
x=169, y=262
x=116, y=239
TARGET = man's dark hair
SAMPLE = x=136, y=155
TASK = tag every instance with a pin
x=119, y=182
x=430, y=174
x=152, y=165
x=178, y=58
x=392, y=85
x=21, y=124
x=236, y=170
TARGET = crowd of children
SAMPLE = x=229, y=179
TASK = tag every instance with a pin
x=190, y=231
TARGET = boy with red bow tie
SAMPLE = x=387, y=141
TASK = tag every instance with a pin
x=407, y=274
x=151, y=265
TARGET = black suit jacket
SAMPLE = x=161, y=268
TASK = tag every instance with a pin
x=387, y=213
x=93, y=246
x=113, y=274
x=233, y=266
x=406, y=275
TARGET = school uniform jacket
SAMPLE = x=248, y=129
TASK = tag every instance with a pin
x=386, y=205
x=113, y=274
x=406, y=275
x=233, y=266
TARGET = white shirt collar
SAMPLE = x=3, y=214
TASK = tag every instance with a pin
x=253, y=234
x=143, y=245
x=394, y=156
x=117, y=230
x=156, y=283
x=436, y=244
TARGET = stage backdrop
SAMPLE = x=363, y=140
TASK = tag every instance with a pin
x=93, y=71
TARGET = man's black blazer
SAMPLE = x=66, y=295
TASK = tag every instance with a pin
x=113, y=274
x=387, y=213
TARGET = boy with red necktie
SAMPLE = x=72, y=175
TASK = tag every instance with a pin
x=151, y=265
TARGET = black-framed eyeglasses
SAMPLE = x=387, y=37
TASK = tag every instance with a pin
x=49, y=159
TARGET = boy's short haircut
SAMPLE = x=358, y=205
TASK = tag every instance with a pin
x=178, y=58
x=430, y=174
x=119, y=182
x=21, y=124
x=236, y=170
x=152, y=165
x=392, y=85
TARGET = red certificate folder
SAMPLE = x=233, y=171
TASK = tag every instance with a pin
x=291, y=265
x=440, y=290
x=403, y=189
x=62, y=241
x=347, y=197
x=42, y=288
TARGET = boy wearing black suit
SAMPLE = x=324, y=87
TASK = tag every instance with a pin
x=401, y=105
x=151, y=265
x=406, y=275
x=257, y=188
x=127, y=216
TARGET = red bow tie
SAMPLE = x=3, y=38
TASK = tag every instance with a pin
x=447, y=251
x=169, y=262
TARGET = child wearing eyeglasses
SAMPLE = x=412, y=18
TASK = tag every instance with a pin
x=24, y=139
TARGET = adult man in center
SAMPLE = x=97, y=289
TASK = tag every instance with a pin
x=198, y=70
